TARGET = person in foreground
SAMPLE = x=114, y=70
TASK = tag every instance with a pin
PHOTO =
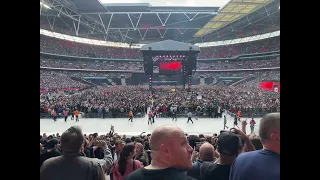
x=171, y=156
x=229, y=147
x=71, y=165
x=206, y=154
x=126, y=164
x=262, y=164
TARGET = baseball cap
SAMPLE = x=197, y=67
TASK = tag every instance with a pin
x=228, y=143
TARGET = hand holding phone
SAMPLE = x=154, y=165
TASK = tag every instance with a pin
x=241, y=134
x=194, y=155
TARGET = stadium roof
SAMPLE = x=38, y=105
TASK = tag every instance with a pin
x=144, y=23
x=170, y=45
x=234, y=10
x=170, y=3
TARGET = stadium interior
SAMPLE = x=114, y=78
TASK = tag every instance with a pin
x=92, y=65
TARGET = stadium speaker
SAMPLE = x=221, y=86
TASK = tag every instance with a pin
x=148, y=65
x=191, y=64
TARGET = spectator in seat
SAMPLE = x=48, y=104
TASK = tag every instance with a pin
x=52, y=151
x=170, y=153
x=147, y=150
x=255, y=140
x=119, y=144
x=105, y=160
x=262, y=164
x=138, y=140
x=229, y=146
x=125, y=164
x=141, y=155
x=206, y=154
x=71, y=165
x=118, y=148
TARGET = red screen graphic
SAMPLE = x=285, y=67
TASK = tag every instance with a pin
x=267, y=85
x=170, y=67
x=270, y=86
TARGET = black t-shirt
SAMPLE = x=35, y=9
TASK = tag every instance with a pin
x=214, y=171
x=163, y=174
x=99, y=153
x=48, y=154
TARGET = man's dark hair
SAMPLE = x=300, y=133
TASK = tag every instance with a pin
x=95, y=135
x=146, y=145
x=255, y=140
x=139, y=140
x=119, y=142
x=132, y=138
x=193, y=139
x=128, y=140
x=72, y=139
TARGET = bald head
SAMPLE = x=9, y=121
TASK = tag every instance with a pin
x=163, y=135
x=268, y=125
x=206, y=152
x=170, y=148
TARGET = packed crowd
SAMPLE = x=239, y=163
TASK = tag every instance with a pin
x=117, y=101
x=165, y=154
x=261, y=46
x=62, y=47
x=248, y=64
x=91, y=64
x=63, y=79
x=56, y=80
x=58, y=46
x=50, y=80
x=259, y=76
x=80, y=74
x=256, y=82
x=138, y=66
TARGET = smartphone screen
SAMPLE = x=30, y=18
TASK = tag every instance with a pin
x=198, y=144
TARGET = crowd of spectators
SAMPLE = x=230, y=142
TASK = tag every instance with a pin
x=117, y=101
x=63, y=47
x=90, y=64
x=55, y=80
x=80, y=74
x=167, y=153
x=138, y=66
x=244, y=64
x=261, y=46
x=262, y=75
x=50, y=80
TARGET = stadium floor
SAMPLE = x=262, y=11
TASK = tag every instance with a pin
x=122, y=126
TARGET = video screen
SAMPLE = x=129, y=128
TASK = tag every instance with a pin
x=270, y=86
x=173, y=67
